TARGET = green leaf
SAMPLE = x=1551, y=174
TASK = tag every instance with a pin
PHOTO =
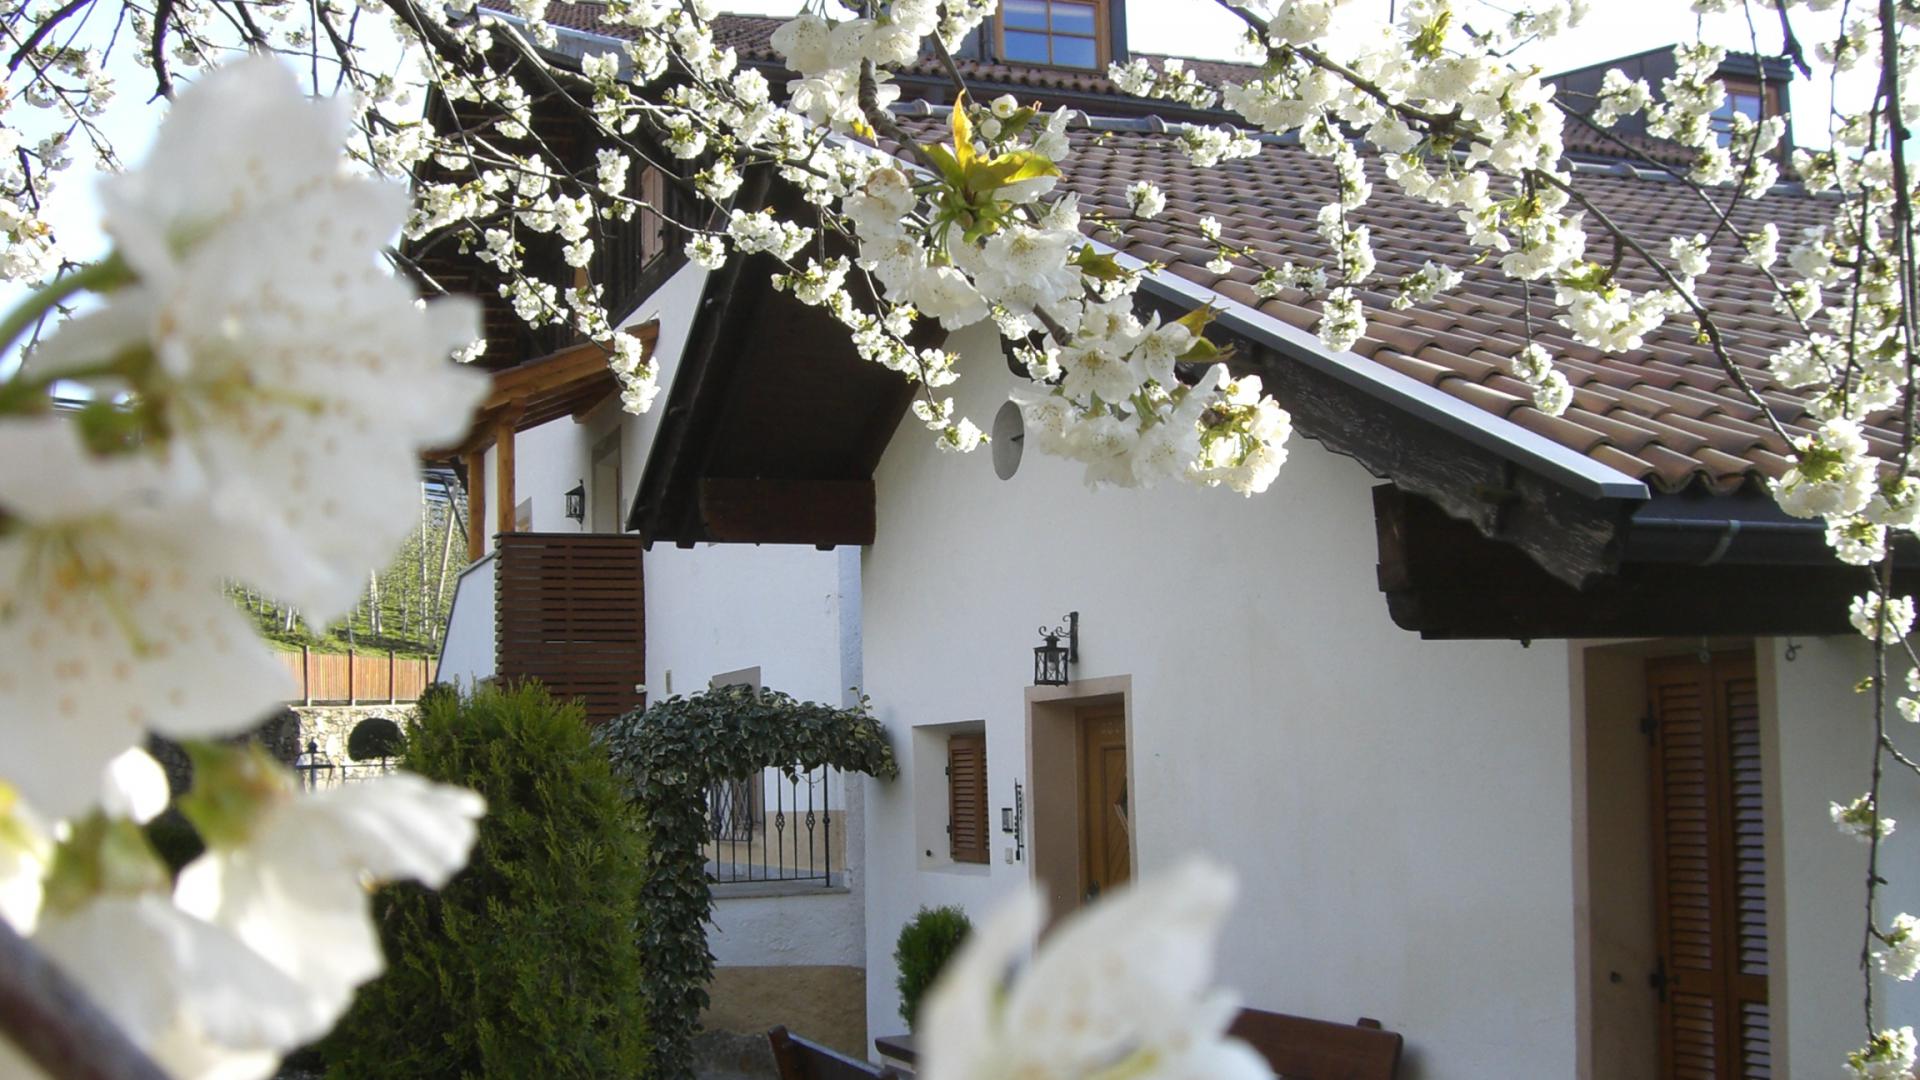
x=950, y=169
x=1201, y=350
x=1098, y=265
x=962, y=132
x=1010, y=168
x=1197, y=320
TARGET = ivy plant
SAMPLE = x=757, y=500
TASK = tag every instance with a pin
x=669, y=754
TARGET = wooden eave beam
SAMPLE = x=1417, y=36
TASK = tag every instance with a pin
x=824, y=513
x=1442, y=579
x=558, y=371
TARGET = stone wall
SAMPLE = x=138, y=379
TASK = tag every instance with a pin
x=287, y=734
x=329, y=726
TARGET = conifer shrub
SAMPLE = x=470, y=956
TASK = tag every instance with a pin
x=926, y=943
x=527, y=963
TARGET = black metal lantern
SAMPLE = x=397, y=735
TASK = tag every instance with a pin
x=1053, y=661
x=577, y=502
x=314, y=768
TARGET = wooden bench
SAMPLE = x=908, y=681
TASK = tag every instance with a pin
x=1303, y=1049
x=803, y=1059
x=1297, y=1048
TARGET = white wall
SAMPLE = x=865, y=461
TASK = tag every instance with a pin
x=550, y=459
x=1824, y=736
x=789, y=611
x=1398, y=810
x=467, y=652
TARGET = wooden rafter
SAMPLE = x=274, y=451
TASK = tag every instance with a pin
x=571, y=382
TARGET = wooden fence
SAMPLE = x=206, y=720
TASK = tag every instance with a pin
x=356, y=678
x=569, y=610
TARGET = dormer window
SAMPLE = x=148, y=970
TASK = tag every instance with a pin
x=1063, y=33
x=1744, y=98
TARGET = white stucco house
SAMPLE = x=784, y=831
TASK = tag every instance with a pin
x=1519, y=731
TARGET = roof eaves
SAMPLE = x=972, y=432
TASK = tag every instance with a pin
x=1575, y=470
x=569, y=35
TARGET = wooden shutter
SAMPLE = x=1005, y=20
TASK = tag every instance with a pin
x=967, y=798
x=1710, y=867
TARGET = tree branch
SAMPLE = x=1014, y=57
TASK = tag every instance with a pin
x=158, y=53
x=41, y=31
x=53, y=1022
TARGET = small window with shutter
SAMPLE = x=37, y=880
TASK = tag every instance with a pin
x=967, y=798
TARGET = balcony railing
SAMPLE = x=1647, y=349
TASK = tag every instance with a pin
x=771, y=827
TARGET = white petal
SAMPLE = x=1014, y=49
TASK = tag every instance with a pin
x=95, y=335
x=104, y=636
x=962, y=1010
x=162, y=975
x=241, y=138
x=67, y=482
x=134, y=786
x=322, y=939
x=294, y=892
x=332, y=380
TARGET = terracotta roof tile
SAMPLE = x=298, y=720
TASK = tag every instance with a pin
x=1493, y=400
x=750, y=36
x=1666, y=414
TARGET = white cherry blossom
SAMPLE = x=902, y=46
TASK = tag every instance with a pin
x=292, y=886
x=1121, y=989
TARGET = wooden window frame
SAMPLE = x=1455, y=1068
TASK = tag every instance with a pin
x=1768, y=93
x=1102, y=39
x=957, y=835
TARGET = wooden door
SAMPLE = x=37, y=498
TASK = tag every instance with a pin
x=1106, y=821
x=1709, y=868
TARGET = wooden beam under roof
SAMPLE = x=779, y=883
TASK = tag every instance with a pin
x=1443, y=579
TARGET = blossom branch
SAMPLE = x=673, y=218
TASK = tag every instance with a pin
x=1707, y=324
x=54, y=1023
x=45, y=27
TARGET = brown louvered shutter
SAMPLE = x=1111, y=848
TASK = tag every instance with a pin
x=967, y=797
x=1710, y=858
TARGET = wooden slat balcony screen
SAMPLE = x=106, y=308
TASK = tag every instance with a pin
x=569, y=611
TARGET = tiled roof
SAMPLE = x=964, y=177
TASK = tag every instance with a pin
x=1665, y=414
x=749, y=35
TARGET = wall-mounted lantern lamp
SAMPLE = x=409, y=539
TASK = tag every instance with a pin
x=577, y=502
x=1052, y=661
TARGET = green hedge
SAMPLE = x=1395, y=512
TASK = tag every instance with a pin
x=527, y=963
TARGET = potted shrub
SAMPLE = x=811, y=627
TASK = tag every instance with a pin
x=926, y=942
